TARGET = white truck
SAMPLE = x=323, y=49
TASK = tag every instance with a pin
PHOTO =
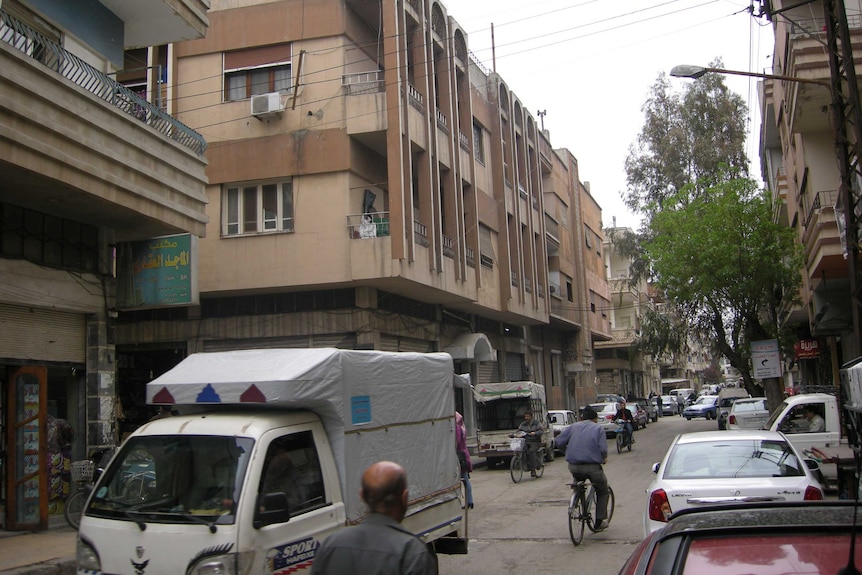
x=264, y=461
x=829, y=446
x=500, y=409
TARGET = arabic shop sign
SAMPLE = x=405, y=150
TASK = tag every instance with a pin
x=806, y=349
x=157, y=272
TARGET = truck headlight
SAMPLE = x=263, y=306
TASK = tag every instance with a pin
x=87, y=557
x=215, y=565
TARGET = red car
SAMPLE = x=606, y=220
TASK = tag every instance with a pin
x=750, y=539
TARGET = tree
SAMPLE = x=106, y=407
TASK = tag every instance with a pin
x=723, y=263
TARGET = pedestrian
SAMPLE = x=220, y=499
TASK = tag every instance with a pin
x=659, y=404
x=379, y=545
x=533, y=431
x=464, y=457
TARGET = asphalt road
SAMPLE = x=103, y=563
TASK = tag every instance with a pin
x=524, y=528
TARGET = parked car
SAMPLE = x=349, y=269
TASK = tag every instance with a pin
x=608, y=397
x=639, y=413
x=559, y=419
x=725, y=467
x=748, y=413
x=753, y=538
x=607, y=410
x=726, y=397
x=668, y=405
x=706, y=407
x=649, y=406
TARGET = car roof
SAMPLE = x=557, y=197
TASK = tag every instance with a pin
x=605, y=405
x=748, y=399
x=730, y=435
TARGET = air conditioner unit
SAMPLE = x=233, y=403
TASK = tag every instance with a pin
x=265, y=105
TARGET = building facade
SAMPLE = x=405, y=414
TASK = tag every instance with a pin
x=86, y=164
x=799, y=167
x=372, y=186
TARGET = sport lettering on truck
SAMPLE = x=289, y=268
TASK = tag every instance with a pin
x=264, y=461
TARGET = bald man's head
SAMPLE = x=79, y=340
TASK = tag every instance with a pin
x=384, y=489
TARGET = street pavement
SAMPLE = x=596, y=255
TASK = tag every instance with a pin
x=49, y=552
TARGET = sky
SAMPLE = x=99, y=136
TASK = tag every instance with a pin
x=589, y=65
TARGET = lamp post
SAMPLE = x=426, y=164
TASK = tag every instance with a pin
x=846, y=167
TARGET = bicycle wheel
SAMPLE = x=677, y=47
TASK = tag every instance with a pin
x=75, y=507
x=620, y=442
x=576, y=520
x=590, y=506
x=134, y=489
x=540, y=463
x=516, y=467
x=610, y=504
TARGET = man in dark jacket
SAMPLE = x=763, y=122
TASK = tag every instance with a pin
x=533, y=431
x=379, y=545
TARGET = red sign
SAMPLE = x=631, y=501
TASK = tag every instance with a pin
x=806, y=349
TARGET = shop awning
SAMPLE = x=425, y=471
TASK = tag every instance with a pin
x=471, y=346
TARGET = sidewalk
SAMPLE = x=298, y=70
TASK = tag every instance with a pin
x=49, y=552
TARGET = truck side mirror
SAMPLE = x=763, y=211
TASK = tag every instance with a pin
x=272, y=508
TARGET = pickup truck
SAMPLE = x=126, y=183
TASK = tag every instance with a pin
x=264, y=461
x=500, y=410
x=828, y=446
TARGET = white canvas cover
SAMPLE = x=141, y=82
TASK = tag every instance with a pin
x=374, y=405
x=491, y=391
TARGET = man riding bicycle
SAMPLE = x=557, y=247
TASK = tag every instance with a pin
x=533, y=431
x=625, y=414
x=586, y=447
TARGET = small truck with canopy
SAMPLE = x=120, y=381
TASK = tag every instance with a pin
x=264, y=461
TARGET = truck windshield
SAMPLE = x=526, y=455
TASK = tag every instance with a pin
x=174, y=479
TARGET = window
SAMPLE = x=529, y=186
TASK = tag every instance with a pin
x=256, y=71
x=257, y=208
x=478, y=143
x=293, y=468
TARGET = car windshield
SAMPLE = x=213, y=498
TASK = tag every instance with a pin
x=732, y=458
x=174, y=479
x=705, y=400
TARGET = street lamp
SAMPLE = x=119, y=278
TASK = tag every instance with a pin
x=848, y=159
x=695, y=72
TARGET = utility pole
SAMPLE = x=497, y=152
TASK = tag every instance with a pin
x=541, y=115
x=847, y=118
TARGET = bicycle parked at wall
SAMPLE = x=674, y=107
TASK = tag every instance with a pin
x=84, y=475
x=582, y=509
x=519, y=460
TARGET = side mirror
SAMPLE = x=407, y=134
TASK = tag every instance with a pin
x=655, y=467
x=272, y=508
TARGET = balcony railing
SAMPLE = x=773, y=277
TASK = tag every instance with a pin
x=420, y=234
x=515, y=279
x=366, y=226
x=442, y=122
x=471, y=257
x=364, y=83
x=71, y=67
x=448, y=247
x=540, y=290
x=821, y=200
x=464, y=141
x=809, y=26
x=528, y=285
x=416, y=99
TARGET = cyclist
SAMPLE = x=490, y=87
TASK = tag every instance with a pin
x=533, y=431
x=586, y=447
x=627, y=418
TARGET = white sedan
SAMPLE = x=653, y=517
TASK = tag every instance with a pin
x=725, y=467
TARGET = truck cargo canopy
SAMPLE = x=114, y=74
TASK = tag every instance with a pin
x=374, y=405
x=492, y=391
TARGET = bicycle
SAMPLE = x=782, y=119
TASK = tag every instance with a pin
x=82, y=476
x=624, y=438
x=519, y=460
x=582, y=507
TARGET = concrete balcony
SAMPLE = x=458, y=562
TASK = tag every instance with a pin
x=161, y=21
x=823, y=254
x=81, y=146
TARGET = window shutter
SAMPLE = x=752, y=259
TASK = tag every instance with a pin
x=254, y=57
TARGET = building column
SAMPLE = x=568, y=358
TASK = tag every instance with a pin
x=102, y=424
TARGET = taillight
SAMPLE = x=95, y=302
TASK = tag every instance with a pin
x=813, y=494
x=659, y=507
x=609, y=417
x=731, y=419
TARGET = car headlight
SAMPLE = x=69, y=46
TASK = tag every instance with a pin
x=215, y=565
x=87, y=557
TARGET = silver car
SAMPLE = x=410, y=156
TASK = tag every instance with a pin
x=747, y=413
x=606, y=412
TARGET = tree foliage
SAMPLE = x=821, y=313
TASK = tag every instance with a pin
x=723, y=263
x=707, y=242
x=695, y=137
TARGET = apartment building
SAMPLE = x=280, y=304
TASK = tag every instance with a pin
x=372, y=186
x=799, y=167
x=86, y=165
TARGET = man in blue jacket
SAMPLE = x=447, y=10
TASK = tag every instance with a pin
x=586, y=448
